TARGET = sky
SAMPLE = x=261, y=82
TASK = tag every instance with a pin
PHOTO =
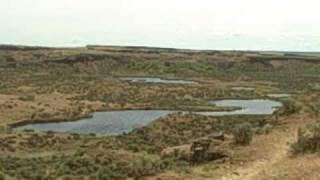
x=285, y=25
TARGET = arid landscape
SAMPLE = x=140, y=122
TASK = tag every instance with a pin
x=186, y=134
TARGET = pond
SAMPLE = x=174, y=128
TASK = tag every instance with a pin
x=118, y=122
x=242, y=88
x=111, y=123
x=248, y=107
x=281, y=95
x=156, y=80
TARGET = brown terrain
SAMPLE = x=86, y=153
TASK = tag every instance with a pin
x=39, y=84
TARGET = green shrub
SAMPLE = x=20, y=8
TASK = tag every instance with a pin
x=27, y=97
x=243, y=133
x=146, y=165
x=315, y=109
x=4, y=129
x=308, y=139
x=2, y=176
x=289, y=107
x=266, y=129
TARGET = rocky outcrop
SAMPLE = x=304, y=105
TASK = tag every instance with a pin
x=207, y=149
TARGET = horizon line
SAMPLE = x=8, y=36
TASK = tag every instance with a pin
x=149, y=47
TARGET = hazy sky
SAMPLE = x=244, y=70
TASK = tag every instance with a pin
x=199, y=24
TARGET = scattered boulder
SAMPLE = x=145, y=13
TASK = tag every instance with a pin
x=206, y=150
x=217, y=136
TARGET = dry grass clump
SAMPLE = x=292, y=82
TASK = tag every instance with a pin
x=289, y=107
x=243, y=133
x=27, y=97
x=308, y=139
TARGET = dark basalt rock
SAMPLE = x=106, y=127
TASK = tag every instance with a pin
x=205, y=150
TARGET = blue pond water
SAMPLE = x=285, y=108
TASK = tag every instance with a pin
x=280, y=95
x=156, y=80
x=118, y=122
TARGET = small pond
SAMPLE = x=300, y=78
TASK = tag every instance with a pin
x=118, y=122
x=156, y=80
x=248, y=107
x=111, y=122
x=242, y=88
x=282, y=95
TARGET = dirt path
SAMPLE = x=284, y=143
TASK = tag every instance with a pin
x=252, y=169
x=271, y=149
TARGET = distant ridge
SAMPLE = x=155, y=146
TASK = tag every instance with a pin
x=21, y=47
x=14, y=47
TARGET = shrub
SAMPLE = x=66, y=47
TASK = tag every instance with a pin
x=289, y=107
x=4, y=128
x=27, y=97
x=315, y=109
x=146, y=165
x=2, y=176
x=265, y=129
x=243, y=133
x=308, y=139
